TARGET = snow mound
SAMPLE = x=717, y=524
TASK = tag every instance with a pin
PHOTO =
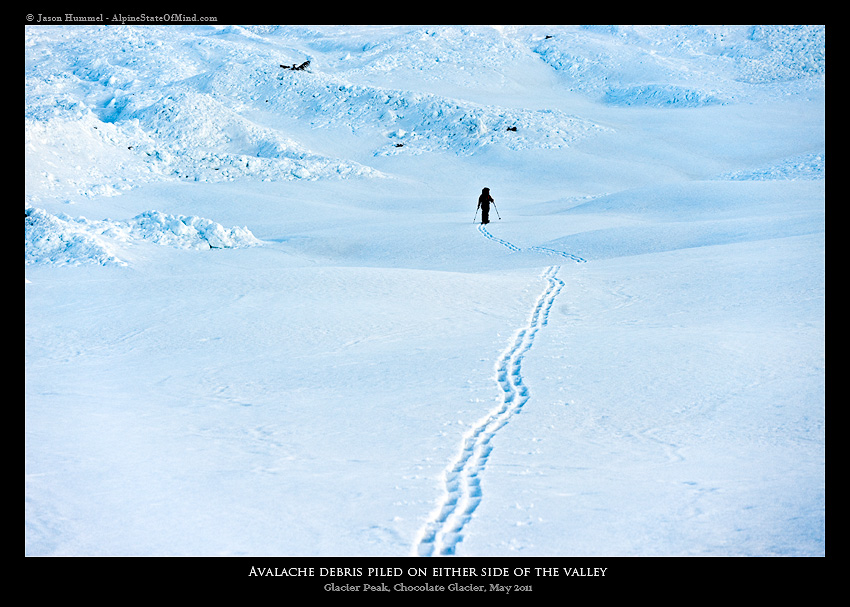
x=659, y=95
x=428, y=123
x=63, y=240
x=188, y=232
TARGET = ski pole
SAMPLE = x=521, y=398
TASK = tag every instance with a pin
x=476, y=216
x=497, y=211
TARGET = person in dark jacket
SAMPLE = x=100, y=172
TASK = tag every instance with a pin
x=484, y=204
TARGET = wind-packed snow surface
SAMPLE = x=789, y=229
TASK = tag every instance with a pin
x=260, y=319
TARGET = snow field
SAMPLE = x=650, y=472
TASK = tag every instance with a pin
x=259, y=319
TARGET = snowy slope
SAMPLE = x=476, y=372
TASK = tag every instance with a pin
x=261, y=321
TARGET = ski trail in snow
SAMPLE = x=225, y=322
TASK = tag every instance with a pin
x=444, y=530
x=513, y=247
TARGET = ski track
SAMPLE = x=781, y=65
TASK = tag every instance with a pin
x=444, y=530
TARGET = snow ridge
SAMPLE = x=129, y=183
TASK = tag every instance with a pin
x=444, y=531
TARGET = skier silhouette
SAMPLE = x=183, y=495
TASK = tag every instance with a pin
x=484, y=204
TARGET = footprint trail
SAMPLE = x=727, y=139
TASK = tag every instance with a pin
x=444, y=530
x=517, y=249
